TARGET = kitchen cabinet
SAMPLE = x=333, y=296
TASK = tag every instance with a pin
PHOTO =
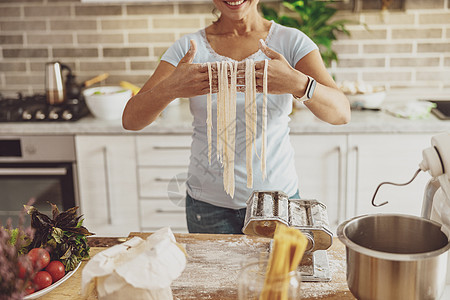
x=343, y=171
x=320, y=163
x=162, y=162
x=108, y=183
x=375, y=158
x=137, y=182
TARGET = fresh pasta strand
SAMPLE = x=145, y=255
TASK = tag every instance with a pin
x=264, y=122
x=209, y=112
x=218, y=113
x=232, y=136
x=248, y=123
x=226, y=120
x=225, y=113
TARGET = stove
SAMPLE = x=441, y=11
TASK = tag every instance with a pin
x=36, y=109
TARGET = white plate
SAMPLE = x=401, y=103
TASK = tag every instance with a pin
x=42, y=292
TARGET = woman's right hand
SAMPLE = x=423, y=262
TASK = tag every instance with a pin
x=188, y=79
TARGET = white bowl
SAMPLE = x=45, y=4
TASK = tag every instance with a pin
x=371, y=100
x=107, y=102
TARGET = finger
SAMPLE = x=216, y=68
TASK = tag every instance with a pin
x=189, y=57
x=267, y=51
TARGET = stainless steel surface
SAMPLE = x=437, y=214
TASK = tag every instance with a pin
x=430, y=189
x=41, y=148
x=32, y=171
x=54, y=83
x=266, y=209
x=394, y=257
x=39, y=167
x=310, y=217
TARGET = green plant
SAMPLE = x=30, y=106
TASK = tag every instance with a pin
x=314, y=21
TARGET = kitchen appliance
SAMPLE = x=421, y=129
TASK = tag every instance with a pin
x=391, y=256
x=36, y=108
x=265, y=209
x=400, y=256
x=55, y=85
x=38, y=167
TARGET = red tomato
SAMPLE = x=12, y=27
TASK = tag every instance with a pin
x=56, y=270
x=22, y=271
x=39, y=258
x=29, y=289
x=42, y=280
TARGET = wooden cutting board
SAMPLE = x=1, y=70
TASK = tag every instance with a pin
x=212, y=271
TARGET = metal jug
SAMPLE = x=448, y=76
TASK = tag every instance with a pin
x=54, y=84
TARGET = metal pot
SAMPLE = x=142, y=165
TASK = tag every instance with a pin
x=54, y=83
x=391, y=256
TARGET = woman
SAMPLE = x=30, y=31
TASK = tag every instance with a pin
x=238, y=34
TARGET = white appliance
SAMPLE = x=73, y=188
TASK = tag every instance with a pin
x=436, y=203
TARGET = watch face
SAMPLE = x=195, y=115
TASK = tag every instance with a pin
x=311, y=89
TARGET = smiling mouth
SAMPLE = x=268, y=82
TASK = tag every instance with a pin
x=235, y=3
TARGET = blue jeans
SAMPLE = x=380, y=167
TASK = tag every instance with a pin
x=203, y=217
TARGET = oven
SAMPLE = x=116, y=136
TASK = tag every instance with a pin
x=42, y=168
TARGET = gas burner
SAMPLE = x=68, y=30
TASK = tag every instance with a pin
x=36, y=109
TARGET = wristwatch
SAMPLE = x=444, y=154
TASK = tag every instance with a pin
x=310, y=87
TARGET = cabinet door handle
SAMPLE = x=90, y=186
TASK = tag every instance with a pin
x=159, y=210
x=178, y=179
x=107, y=184
x=356, y=149
x=33, y=171
x=171, y=148
x=339, y=151
x=160, y=179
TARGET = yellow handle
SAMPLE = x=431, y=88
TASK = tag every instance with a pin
x=135, y=89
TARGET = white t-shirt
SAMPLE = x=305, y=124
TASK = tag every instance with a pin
x=205, y=181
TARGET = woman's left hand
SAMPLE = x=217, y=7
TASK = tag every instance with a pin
x=281, y=77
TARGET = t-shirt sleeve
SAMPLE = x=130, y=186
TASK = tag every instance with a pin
x=293, y=44
x=177, y=51
x=302, y=45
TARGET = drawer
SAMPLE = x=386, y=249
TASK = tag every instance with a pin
x=156, y=214
x=163, y=150
x=159, y=182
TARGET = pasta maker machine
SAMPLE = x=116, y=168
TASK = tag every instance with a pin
x=266, y=209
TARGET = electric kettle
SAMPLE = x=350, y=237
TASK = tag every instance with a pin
x=55, y=86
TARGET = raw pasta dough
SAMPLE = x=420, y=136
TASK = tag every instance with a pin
x=226, y=120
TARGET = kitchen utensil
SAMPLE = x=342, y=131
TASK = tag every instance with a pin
x=55, y=88
x=267, y=208
x=95, y=79
x=107, y=102
x=393, y=256
x=130, y=86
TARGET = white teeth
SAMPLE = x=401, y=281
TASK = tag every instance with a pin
x=235, y=3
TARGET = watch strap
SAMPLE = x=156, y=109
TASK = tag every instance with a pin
x=309, y=92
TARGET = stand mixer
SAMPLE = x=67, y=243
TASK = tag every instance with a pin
x=436, y=202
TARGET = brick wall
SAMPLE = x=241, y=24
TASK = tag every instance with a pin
x=402, y=48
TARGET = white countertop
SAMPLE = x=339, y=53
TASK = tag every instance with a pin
x=176, y=119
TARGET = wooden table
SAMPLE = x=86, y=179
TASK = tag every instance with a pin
x=213, y=266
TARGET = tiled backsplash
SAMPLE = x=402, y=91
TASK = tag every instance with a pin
x=400, y=49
